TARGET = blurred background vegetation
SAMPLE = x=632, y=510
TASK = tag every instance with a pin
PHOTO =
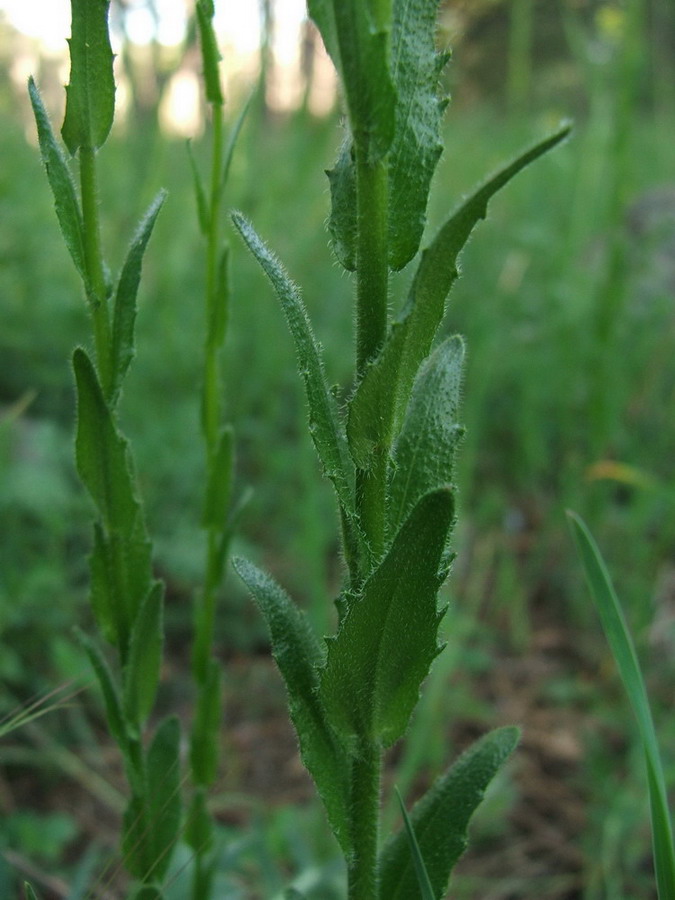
x=568, y=308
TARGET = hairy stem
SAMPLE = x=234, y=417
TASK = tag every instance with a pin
x=365, y=813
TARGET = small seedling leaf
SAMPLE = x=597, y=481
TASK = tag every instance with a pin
x=90, y=96
x=124, y=316
x=142, y=670
x=152, y=820
x=219, y=485
x=111, y=697
x=299, y=655
x=621, y=643
x=61, y=182
x=416, y=148
x=441, y=818
x=388, y=637
x=323, y=422
x=424, y=451
x=205, y=743
x=210, y=54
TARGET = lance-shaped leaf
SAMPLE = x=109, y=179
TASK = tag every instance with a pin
x=424, y=451
x=200, y=193
x=120, y=562
x=299, y=655
x=60, y=180
x=124, y=316
x=152, y=821
x=359, y=46
x=388, y=637
x=379, y=403
x=342, y=221
x=144, y=659
x=205, y=744
x=441, y=818
x=210, y=54
x=90, y=96
x=323, y=422
x=219, y=486
x=111, y=697
x=416, y=148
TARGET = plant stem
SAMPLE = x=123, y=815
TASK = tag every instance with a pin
x=365, y=812
x=371, y=323
x=96, y=289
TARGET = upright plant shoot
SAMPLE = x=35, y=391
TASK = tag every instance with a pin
x=389, y=457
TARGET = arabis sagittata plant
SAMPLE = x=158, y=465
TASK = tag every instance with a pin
x=389, y=455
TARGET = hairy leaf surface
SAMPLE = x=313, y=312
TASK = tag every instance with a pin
x=124, y=316
x=388, y=638
x=90, y=96
x=61, y=182
x=299, y=655
x=416, y=148
x=342, y=220
x=424, y=451
x=441, y=818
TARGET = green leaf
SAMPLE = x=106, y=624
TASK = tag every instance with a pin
x=210, y=54
x=199, y=830
x=152, y=821
x=423, y=881
x=359, y=46
x=61, y=182
x=205, y=742
x=29, y=892
x=124, y=316
x=424, y=452
x=417, y=146
x=90, y=96
x=299, y=655
x=323, y=422
x=200, y=195
x=219, y=487
x=342, y=223
x=111, y=697
x=233, y=135
x=388, y=638
x=620, y=641
x=441, y=818
x=142, y=670
x=220, y=308
x=379, y=403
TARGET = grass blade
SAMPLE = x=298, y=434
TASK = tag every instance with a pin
x=623, y=650
x=426, y=890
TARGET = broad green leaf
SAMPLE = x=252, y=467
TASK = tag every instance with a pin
x=144, y=659
x=152, y=821
x=210, y=54
x=441, y=818
x=342, y=223
x=620, y=641
x=90, y=96
x=388, y=638
x=423, y=881
x=379, y=403
x=111, y=697
x=198, y=831
x=219, y=486
x=417, y=146
x=424, y=451
x=299, y=655
x=205, y=742
x=61, y=182
x=124, y=316
x=358, y=41
x=323, y=422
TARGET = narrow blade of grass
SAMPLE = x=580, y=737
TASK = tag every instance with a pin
x=623, y=650
x=426, y=889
